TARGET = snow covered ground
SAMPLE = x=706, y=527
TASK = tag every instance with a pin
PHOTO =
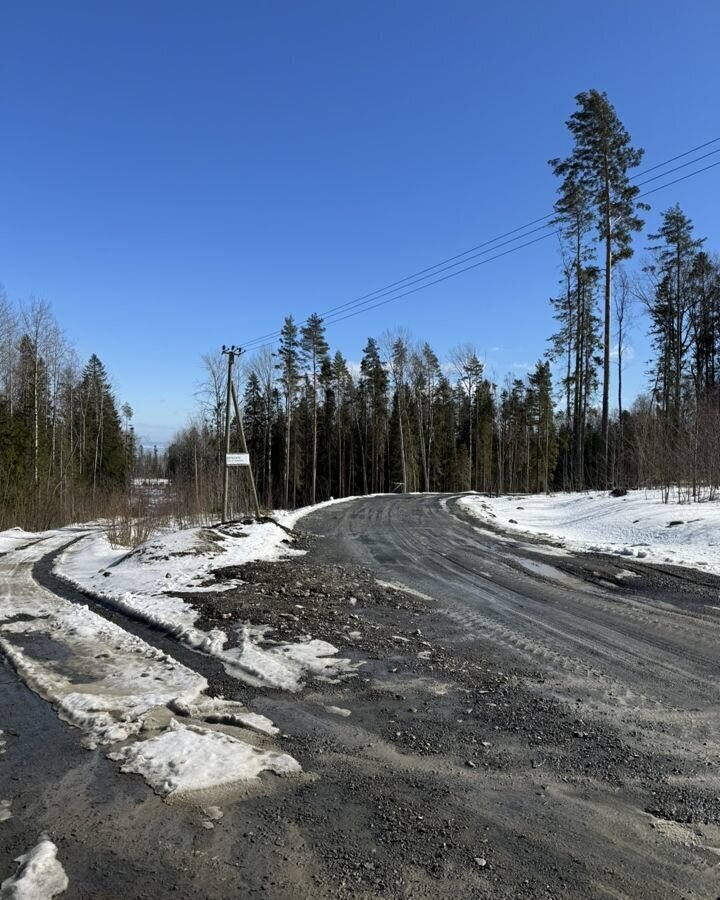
x=49, y=642
x=39, y=875
x=16, y=537
x=115, y=687
x=638, y=526
x=172, y=562
x=187, y=758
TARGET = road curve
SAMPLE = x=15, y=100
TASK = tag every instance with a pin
x=644, y=649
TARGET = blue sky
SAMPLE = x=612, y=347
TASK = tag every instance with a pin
x=174, y=176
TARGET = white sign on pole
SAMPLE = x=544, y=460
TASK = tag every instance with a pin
x=237, y=459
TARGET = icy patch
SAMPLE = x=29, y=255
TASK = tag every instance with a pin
x=39, y=875
x=187, y=758
x=227, y=712
x=5, y=813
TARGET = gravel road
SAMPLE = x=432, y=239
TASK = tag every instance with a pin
x=525, y=724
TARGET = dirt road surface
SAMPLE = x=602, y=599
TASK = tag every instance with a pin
x=526, y=724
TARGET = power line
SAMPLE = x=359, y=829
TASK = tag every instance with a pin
x=332, y=321
x=682, y=178
x=366, y=302
x=374, y=295
x=673, y=158
x=681, y=166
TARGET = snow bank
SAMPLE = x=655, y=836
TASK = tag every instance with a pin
x=114, y=686
x=101, y=678
x=137, y=583
x=638, y=525
x=187, y=758
x=39, y=875
x=14, y=538
x=172, y=562
x=290, y=517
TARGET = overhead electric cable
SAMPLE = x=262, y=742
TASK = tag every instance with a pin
x=367, y=302
x=681, y=166
x=682, y=178
x=673, y=158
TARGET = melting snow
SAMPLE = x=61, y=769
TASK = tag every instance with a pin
x=111, y=684
x=229, y=712
x=638, y=525
x=101, y=678
x=188, y=758
x=283, y=665
x=137, y=583
x=39, y=875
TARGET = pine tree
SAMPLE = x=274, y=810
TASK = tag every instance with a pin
x=598, y=165
x=675, y=256
x=373, y=391
x=315, y=349
x=288, y=366
x=103, y=454
x=540, y=404
x=254, y=412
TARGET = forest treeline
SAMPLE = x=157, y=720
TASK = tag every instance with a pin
x=66, y=451
x=405, y=421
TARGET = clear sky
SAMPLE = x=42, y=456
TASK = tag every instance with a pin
x=178, y=175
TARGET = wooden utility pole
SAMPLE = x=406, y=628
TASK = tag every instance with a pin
x=235, y=459
x=230, y=353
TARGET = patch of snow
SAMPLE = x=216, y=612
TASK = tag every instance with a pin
x=101, y=678
x=228, y=712
x=398, y=586
x=14, y=538
x=284, y=665
x=187, y=758
x=338, y=711
x=290, y=517
x=182, y=561
x=5, y=813
x=3, y=742
x=39, y=875
x=638, y=526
